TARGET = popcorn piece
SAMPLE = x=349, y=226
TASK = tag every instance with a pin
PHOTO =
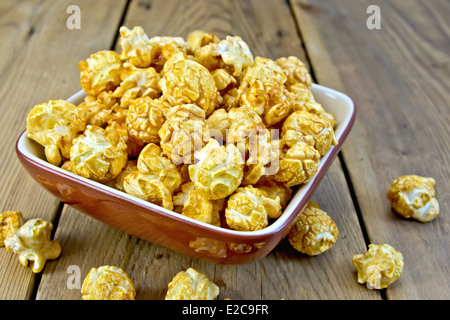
x=296, y=71
x=265, y=70
x=270, y=100
x=100, y=72
x=195, y=205
x=223, y=80
x=275, y=189
x=249, y=208
x=141, y=51
x=309, y=124
x=152, y=161
x=314, y=231
x=148, y=188
x=191, y=285
x=232, y=54
x=195, y=38
x=218, y=124
x=182, y=133
x=413, y=196
x=298, y=165
x=32, y=243
x=137, y=82
x=117, y=182
x=98, y=110
x=108, y=283
x=99, y=154
x=10, y=222
x=145, y=118
x=54, y=125
x=249, y=134
x=219, y=170
x=188, y=82
x=379, y=267
x=301, y=98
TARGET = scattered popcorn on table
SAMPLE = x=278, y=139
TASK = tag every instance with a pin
x=413, y=196
x=10, y=222
x=32, y=243
x=198, y=126
x=379, y=267
x=191, y=285
x=314, y=232
x=108, y=283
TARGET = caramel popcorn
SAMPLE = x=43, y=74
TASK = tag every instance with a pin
x=188, y=82
x=264, y=69
x=269, y=100
x=145, y=118
x=296, y=71
x=141, y=51
x=99, y=154
x=275, y=189
x=379, y=267
x=137, y=82
x=310, y=124
x=413, y=196
x=54, y=125
x=149, y=188
x=117, y=182
x=108, y=283
x=253, y=139
x=195, y=205
x=231, y=54
x=10, y=222
x=314, y=231
x=191, y=285
x=98, y=110
x=249, y=209
x=182, y=133
x=100, y=72
x=151, y=161
x=32, y=243
x=218, y=124
x=191, y=126
x=298, y=164
x=219, y=170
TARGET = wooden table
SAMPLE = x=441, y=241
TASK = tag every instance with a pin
x=398, y=77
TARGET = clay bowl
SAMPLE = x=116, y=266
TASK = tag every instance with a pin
x=172, y=230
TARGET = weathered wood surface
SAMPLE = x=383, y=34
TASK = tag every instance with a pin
x=41, y=63
x=398, y=77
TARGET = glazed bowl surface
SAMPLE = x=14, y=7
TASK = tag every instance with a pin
x=172, y=230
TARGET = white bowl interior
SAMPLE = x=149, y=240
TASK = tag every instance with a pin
x=335, y=102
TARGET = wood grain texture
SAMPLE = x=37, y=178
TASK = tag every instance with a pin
x=39, y=57
x=398, y=78
x=270, y=31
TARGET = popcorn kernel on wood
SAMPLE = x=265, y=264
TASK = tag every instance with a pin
x=413, y=196
x=314, y=231
x=379, y=267
x=32, y=243
x=108, y=283
x=191, y=285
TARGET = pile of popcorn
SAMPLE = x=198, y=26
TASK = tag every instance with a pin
x=201, y=127
x=197, y=126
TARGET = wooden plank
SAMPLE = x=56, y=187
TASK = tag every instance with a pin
x=398, y=78
x=284, y=273
x=39, y=56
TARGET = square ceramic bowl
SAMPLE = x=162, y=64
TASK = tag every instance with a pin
x=172, y=230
